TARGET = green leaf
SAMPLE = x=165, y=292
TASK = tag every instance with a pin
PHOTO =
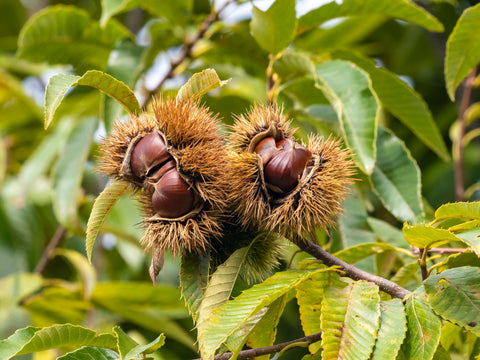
x=463, y=49
x=399, y=9
x=68, y=173
x=31, y=339
x=146, y=349
x=234, y=313
x=89, y=353
x=153, y=307
x=58, y=85
x=200, y=84
x=455, y=295
x=124, y=342
x=461, y=210
x=194, y=273
x=103, y=203
x=387, y=233
x=424, y=328
x=349, y=91
x=172, y=10
x=310, y=295
x=396, y=178
x=392, y=331
x=17, y=286
x=274, y=29
x=265, y=330
x=84, y=269
x=466, y=258
x=350, y=320
x=472, y=238
x=361, y=251
x=293, y=65
x=67, y=35
x=426, y=236
x=403, y=102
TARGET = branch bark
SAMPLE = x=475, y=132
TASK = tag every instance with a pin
x=351, y=271
x=186, y=50
x=252, y=353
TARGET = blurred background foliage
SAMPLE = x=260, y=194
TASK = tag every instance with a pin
x=48, y=179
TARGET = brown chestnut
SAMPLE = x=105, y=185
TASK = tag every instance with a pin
x=266, y=148
x=286, y=166
x=148, y=153
x=172, y=197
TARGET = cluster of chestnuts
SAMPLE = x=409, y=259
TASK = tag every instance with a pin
x=192, y=183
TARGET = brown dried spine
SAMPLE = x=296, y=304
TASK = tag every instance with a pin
x=291, y=189
x=176, y=162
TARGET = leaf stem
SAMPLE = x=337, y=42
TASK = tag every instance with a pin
x=186, y=51
x=422, y=262
x=252, y=353
x=52, y=245
x=351, y=271
x=458, y=144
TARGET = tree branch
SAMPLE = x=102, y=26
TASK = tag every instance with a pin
x=252, y=353
x=52, y=245
x=351, y=271
x=458, y=143
x=186, y=50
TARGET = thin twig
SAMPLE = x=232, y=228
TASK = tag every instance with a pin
x=52, y=245
x=252, y=353
x=351, y=271
x=422, y=262
x=441, y=250
x=458, y=143
x=186, y=50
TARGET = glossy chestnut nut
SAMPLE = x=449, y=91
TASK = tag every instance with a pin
x=286, y=166
x=266, y=148
x=172, y=197
x=148, y=153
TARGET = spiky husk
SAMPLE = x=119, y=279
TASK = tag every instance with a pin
x=314, y=204
x=191, y=134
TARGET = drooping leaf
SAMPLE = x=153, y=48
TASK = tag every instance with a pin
x=89, y=352
x=273, y=29
x=104, y=202
x=472, y=238
x=424, y=328
x=463, y=49
x=396, y=177
x=200, y=84
x=455, y=295
x=392, y=331
x=310, y=295
x=219, y=289
x=234, y=313
x=350, y=320
x=462, y=210
x=31, y=339
x=403, y=102
x=349, y=91
x=58, y=85
x=68, y=173
x=153, y=307
x=194, y=273
x=400, y=9
x=67, y=35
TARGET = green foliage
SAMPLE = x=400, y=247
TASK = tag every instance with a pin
x=367, y=72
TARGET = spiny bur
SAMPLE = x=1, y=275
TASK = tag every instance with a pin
x=280, y=185
x=176, y=163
